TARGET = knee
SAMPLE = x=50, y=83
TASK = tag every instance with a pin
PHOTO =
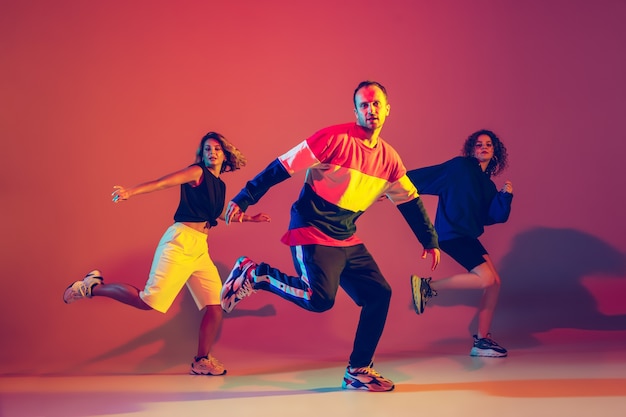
x=379, y=298
x=384, y=294
x=489, y=281
x=141, y=305
x=320, y=304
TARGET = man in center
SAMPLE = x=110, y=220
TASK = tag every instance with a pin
x=348, y=168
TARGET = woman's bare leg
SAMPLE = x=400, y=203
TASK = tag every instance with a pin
x=209, y=327
x=124, y=293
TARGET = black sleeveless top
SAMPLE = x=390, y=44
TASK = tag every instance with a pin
x=203, y=203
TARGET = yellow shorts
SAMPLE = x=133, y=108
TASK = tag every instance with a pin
x=182, y=257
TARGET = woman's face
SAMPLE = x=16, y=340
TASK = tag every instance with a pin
x=213, y=155
x=483, y=148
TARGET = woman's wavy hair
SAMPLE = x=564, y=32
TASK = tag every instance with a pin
x=234, y=159
x=499, y=162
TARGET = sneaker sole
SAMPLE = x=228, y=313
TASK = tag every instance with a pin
x=192, y=372
x=482, y=353
x=66, y=293
x=228, y=298
x=365, y=387
x=416, y=291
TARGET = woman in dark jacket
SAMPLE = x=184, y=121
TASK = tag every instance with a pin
x=468, y=201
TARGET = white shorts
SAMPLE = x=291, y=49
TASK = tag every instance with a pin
x=182, y=257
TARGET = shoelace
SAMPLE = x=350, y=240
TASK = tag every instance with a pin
x=429, y=291
x=211, y=361
x=214, y=361
x=489, y=340
x=245, y=290
x=83, y=290
x=368, y=371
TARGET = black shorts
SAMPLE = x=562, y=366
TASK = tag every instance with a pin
x=466, y=251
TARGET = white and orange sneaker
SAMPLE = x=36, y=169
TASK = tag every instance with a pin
x=207, y=366
x=366, y=379
x=82, y=289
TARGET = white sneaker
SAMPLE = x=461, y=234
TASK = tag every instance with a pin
x=207, y=366
x=82, y=289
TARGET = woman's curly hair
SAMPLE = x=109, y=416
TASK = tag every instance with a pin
x=499, y=162
x=234, y=159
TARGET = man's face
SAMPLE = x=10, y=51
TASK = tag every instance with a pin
x=371, y=107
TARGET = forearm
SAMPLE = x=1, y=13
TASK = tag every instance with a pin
x=259, y=185
x=415, y=215
x=148, y=187
x=187, y=175
x=500, y=208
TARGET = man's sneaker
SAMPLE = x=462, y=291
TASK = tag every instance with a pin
x=366, y=379
x=238, y=285
x=487, y=347
x=207, y=366
x=82, y=289
x=420, y=287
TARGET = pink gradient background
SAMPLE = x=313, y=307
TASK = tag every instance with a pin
x=95, y=94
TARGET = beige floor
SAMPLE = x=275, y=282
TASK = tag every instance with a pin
x=561, y=380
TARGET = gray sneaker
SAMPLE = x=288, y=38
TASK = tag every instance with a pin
x=82, y=289
x=487, y=347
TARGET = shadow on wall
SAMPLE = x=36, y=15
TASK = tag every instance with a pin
x=178, y=336
x=543, y=283
x=542, y=286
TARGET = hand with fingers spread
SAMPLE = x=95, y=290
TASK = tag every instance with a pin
x=119, y=194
